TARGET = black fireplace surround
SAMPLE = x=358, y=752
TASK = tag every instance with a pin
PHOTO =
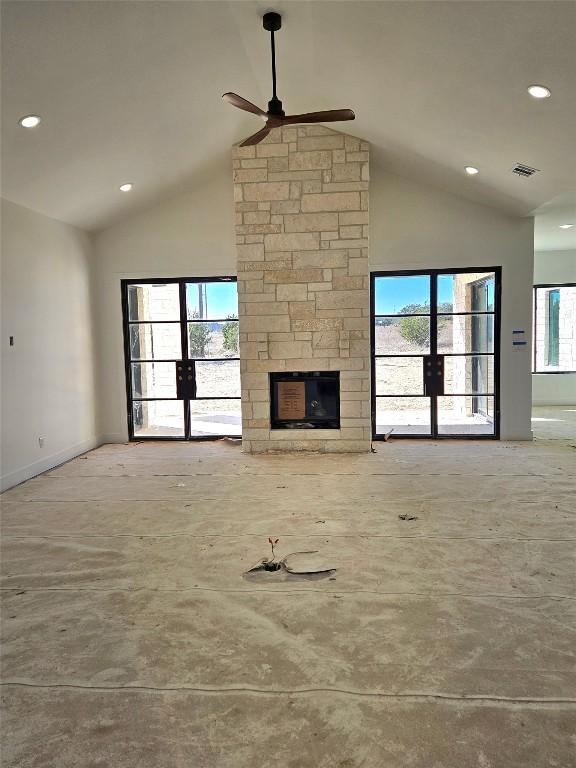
x=305, y=400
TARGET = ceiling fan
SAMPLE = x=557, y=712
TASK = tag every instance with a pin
x=275, y=116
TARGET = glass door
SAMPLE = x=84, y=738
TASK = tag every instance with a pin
x=212, y=337
x=434, y=362
x=182, y=358
x=401, y=325
x=466, y=326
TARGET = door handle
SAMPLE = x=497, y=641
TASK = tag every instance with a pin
x=433, y=374
x=185, y=372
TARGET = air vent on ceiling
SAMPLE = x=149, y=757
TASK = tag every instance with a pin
x=524, y=170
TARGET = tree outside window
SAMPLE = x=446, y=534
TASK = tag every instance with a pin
x=199, y=336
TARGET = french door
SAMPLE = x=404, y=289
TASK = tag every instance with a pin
x=182, y=358
x=435, y=353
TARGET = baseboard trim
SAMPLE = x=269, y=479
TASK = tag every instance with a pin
x=556, y=402
x=49, y=462
x=113, y=437
x=513, y=437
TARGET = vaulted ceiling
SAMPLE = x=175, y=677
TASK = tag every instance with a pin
x=130, y=91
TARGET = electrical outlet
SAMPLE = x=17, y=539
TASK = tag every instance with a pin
x=41, y=442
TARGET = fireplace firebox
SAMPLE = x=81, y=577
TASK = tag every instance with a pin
x=309, y=400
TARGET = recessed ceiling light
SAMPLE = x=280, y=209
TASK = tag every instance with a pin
x=30, y=121
x=566, y=226
x=126, y=187
x=539, y=91
x=471, y=171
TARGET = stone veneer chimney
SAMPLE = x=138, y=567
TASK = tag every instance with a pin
x=301, y=201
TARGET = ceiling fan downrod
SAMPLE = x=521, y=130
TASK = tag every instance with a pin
x=272, y=22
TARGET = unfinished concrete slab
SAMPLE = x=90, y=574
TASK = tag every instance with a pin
x=132, y=637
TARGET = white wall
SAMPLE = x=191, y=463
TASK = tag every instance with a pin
x=554, y=389
x=412, y=227
x=417, y=227
x=190, y=235
x=48, y=385
x=554, y=267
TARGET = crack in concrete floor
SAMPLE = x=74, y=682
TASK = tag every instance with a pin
x=415, y=696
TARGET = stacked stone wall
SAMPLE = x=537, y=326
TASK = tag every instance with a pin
x=302, y=218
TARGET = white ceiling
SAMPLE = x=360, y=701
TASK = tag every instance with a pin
x=130, y=91
x=547, y=219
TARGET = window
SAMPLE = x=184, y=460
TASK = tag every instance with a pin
x=553, y=331
x=555, y=328
x=435, y=352
x=182, y=357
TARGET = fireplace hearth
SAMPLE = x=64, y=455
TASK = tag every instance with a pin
x=305, y=400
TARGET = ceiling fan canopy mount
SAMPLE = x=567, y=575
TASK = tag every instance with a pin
x=272, y=21
x=275, y=116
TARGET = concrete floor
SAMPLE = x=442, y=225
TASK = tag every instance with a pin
x=132, y=640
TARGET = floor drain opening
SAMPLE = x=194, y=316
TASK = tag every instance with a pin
x=304, y=565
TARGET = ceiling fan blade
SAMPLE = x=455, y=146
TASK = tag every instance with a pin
x=256, y=138
x=247, y=106
x=328, y=116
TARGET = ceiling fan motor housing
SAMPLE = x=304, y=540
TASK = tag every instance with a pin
x=275, y=108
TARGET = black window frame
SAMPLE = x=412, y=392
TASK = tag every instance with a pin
x=496, y=312
x=184, y=322
x=550, y=286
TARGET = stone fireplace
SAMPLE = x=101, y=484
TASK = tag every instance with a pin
x=301, y=200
